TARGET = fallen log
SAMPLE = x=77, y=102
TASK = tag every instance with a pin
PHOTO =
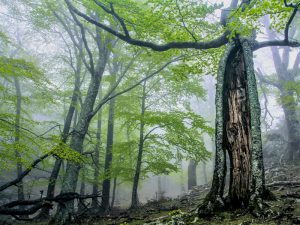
x=46, y=202
x=283, y=183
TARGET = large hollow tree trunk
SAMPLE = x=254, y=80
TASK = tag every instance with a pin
x=237, y=129
x=237, y=132
x=136, y=178
x=192, y=176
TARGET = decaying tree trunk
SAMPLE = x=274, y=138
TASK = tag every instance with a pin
x=237, y=132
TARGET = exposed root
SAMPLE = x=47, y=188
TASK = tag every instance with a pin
x=210, y=205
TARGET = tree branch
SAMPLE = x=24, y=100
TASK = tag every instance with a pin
x=135, y=85
x=287, y=27
x=82, y=30
x=258, y=45
x=112, y=12
x=183, y=23
x=25, y=172
x=216, y=43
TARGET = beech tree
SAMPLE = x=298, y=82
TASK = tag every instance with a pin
x=238, y=129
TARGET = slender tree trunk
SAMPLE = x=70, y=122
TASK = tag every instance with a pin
x=58, y=162
x=105, y=204
x=77, y=138
x=95, y=204
x=17, y=137
x=238, y=132
x=81, y=206
x=108, y=158
x=134, y=196
x=113, y=193
x=204, y=172
x=192, y=176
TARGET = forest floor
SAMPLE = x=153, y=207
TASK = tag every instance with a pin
x=285, y=210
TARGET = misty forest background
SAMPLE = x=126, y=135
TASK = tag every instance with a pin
x=132, y=125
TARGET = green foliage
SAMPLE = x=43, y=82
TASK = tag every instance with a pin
x=248, y=18
x=18, y=67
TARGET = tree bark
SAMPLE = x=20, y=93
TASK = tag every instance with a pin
x=105, y=206
x=237, y=132
x=95, y=204
x=237, y=128
x=113, y=193
x=17, y=138
x=81, y=206
x=134, y=195
x=77, y=138
x=192, y=176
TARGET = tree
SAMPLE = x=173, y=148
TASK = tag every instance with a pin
x=287, y=86
x=237, y=105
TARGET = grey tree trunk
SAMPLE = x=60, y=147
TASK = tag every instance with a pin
x=204, y=172
x=237, y=132
x=289, y=104
x=113, y=193
x=192, y=176
x=58, y=162
x=81, y=206
x=17, y=137
x=95, y=204
x=105, y=206
x=134, y=195
x=77, y=138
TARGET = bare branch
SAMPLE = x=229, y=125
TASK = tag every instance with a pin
x=287, y=27
x=183, y=23
x=82, y=30
x=112, y=12
x=264, y=44
x=266, y=81
x=25, y=172
x=136, y=84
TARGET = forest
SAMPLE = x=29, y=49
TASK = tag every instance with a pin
x=159, y=112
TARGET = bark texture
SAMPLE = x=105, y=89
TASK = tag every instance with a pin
x=236, y=128
x=237, y=132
